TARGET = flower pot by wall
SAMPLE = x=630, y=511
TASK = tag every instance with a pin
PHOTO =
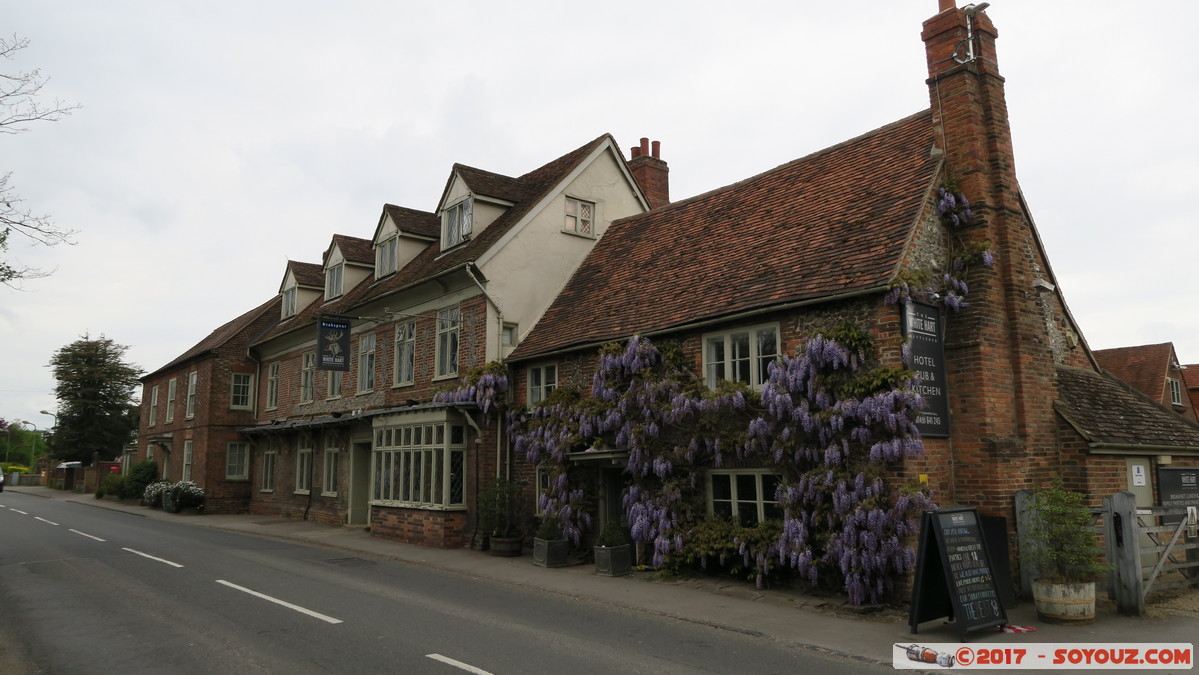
x=1065, y=604
x=614, y=561
x=550, y=552
x=508, y=547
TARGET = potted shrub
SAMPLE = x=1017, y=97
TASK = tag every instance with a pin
x=613, y=553
x=550, y=548
x=1064, y=554
x=501, y=515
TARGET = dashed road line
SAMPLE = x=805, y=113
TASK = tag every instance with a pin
x=89, y=536
x=457, y=664
x=44, y=520
x=277, y=601
x=147, y=555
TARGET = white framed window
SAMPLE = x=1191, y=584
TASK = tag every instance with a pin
x=272, y=386
x=386, y=256
x=508, y=335
x=741, y=355
x=307, y=375
x=153, y=405
x=268, y=470
x=335, y=382
x=289, y=301
x=404, y=371
x=304, y=471
x=456, y=223
x=329, y=484
x=543, y=488
x=580, y=217
x=333, y=280
x=366, y=362
x=237, y=461
x=187, y=460
x=191, y=395
x=448, y=324
x=420, y=464
x=1175, y=390
x=241, y=386
x=172, y=388
x=746, y=497
x=150, y=452
x=542, y=380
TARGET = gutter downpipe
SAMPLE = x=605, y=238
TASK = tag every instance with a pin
x=499, y=346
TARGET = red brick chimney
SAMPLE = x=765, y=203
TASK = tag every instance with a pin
x=1002, y=379
x=651, y=173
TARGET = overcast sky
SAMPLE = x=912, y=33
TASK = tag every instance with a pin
x=217, y=140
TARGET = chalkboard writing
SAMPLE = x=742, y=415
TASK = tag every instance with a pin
x=954, y=576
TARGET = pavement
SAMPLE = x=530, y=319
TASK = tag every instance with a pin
x=823, y=624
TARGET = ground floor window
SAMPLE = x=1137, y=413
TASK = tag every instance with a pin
x=268, y=471
x=304, y=471
x=747, y=497
x=420, y=464
x=329, y=485
x=237, y=461
x=187, y=460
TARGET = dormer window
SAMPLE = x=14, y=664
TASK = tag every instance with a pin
x=456, y=224
x=385, y=257
x=580, y=217
x=289, y=301
x=334, y=277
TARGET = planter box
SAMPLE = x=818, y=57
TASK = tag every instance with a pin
x=614, y=561
x=508, y=547
x=550, y=552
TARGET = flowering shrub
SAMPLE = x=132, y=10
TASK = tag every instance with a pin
x=152, y=495
x=826, y=421
x=947, y=287
x=187, y=495
x=485, y=386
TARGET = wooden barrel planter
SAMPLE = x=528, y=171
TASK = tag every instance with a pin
x=1065, y=604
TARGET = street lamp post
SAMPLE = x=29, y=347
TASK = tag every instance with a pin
x=33, y=443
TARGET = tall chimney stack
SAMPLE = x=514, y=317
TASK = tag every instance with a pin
x=651, y=173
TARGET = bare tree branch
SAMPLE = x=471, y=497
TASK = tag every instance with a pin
x=19, y=105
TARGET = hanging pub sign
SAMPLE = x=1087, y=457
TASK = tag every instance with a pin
x=954, y=575
x=333, y=344
x=926, y=356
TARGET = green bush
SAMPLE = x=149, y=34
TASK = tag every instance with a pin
x=141, y=475
x=113, y=484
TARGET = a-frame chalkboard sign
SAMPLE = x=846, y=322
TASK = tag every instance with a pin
x=953, y=574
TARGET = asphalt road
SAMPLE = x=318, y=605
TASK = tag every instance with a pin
x=87, y=590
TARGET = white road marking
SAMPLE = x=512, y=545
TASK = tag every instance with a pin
x=23, y=513
x=277, y=601
x=44, y=520
x=147, y=555
x=457, y=664
x=85, y=534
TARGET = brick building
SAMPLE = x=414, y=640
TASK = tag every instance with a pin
x=1154, y=371
x=343, y=428
x=193, y=407
x=745, y=273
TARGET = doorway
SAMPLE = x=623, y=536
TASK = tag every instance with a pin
x=360, y=481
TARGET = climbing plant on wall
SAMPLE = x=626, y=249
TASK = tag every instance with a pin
x=946, y=286
x=829, y=421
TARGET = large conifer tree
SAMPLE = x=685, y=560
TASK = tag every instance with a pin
x=96, y=411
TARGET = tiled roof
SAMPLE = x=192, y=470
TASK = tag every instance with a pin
x=311, y=275
x=432, y=262
x=1109, y=412
x=1190, y=375
x=830, y=223
x=412, y=221
x=491, y=184
x=354, y=249
x=524, y=191
x=221, y=335
x=1144, y=367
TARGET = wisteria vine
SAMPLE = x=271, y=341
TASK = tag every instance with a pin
x=948, y=286
x=827, y=421
x=485, y=386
